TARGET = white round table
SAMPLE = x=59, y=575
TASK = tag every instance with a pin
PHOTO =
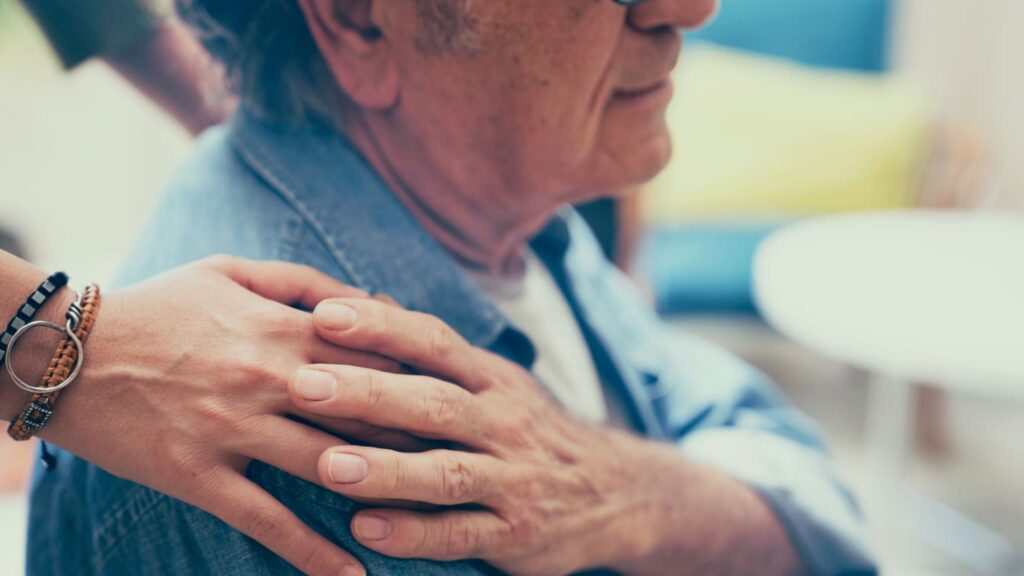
x=934, y=297
x=916, y=295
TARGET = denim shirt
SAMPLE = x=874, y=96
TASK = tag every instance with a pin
x=307, y=196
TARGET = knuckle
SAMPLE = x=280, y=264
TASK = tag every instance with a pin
x=250, y=363
x=502, y=375
x=289, y=322
x=188, y=460
x=277, y=321
x=316, y=559
x=258, y=374
x=397, y=478
x=216, y=417
x=260, y=523
x=311, y=560
x=517, y=429
x=491, y=380
x=463, y=539
x=380, y=330
x=523, y=530
x=373, y=393
x=442, y=341
x=444, y=408
x=200, y=484
x=419, y=544
x=458, y=480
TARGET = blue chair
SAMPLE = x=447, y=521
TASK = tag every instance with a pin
x=707, y=268
x=848, y=34
x=704, y=268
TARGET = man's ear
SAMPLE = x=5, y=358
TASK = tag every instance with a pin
x=355, y=50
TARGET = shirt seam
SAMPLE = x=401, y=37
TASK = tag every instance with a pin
x=266, y=168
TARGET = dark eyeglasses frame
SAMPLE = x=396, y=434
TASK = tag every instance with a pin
x=629, y=3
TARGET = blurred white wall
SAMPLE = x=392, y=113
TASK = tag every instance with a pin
x=969, y=55
x=83, y=157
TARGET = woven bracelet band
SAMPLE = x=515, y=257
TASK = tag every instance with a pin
x=63, y=368
x=28, y=310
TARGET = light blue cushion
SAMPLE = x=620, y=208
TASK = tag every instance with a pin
x=703, y=268
x=848, y=34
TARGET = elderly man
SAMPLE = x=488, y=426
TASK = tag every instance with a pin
x=546, y=421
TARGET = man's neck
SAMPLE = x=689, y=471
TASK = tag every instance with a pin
x=471, y=225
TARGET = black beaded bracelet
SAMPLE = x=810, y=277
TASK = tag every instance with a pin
x=35, y=301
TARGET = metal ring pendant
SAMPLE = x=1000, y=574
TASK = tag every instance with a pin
x=41, y=324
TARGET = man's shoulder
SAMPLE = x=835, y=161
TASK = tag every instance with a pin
x=215, y=204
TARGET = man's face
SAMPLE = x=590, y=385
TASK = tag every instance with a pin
x=549, y=97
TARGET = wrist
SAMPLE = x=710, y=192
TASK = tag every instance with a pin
x=35, y=348
x=706, y=520
x=629, y=526
x=12, y=399
x=102, y=368
x=659, y=474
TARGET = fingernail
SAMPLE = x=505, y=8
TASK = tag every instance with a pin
x=336, y=316
x=347, y=469
x=315, y=385
x=370, y=527
x=353, y=571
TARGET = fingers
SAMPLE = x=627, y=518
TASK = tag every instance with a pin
x=355, y=431
x=323, y=352
x=249, y=509
x=296, y=449
x=289, y=284
x=419, y=405
x=442, y=477
x=413, y=338
x=287, y=445
x=445, y=536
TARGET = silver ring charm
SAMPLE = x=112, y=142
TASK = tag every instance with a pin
x=41, y=324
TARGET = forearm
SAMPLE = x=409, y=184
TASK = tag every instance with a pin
x=19, y=279
x=170, y=67
x=697, y=520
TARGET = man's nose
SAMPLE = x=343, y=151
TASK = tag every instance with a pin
x=679, y=14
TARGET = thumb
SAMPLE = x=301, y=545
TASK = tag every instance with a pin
x=284, y=282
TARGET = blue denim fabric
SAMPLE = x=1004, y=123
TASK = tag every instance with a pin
x=308, y=197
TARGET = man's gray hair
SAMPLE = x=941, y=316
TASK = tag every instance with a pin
x=272, y=62
x=446, y=25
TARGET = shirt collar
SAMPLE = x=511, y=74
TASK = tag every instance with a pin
x=374, y=239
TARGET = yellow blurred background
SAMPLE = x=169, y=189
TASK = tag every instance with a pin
x=764, y=138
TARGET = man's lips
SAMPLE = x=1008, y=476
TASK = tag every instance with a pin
x=650, y=96
x=648, y=90
x=656, y=78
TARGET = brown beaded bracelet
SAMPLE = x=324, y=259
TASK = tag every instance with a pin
x=38, y=412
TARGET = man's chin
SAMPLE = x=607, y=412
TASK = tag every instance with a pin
x=660, y=156
x=619, y=172
x=646, y=162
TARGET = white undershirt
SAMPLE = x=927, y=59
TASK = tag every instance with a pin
x=535, y=305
